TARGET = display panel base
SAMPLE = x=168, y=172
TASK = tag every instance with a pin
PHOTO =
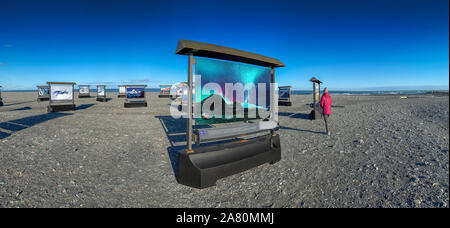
x=315, y=115
x=39, y=99
x=121, y=95
x=101, y=99
x=284, y=103
x=61, y=108
x=164, y=95
x=205, y=165
x=135, y=104
x=84, y=96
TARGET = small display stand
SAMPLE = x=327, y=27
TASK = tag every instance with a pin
x=122, y=91
x=284, y=96
x=43, y=93
x=61, y=96
x=1, y=100
x=315, y=113
x=84, y=91
x=164, y=91
x=101, y=93
x=135, y=96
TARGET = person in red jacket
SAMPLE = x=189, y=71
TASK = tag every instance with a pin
x=325, y=104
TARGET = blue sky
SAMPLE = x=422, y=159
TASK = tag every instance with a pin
x=346, y=44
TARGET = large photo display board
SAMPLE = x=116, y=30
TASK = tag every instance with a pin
x=61, y=93
x=122, y=91
x=221, y=72
x=101, y=93
x=135, y=92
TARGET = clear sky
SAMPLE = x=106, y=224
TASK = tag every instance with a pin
x=347, y=44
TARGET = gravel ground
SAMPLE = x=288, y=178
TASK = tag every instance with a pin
x=383, y=152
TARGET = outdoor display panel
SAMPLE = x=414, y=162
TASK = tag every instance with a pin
x=101, y=93
x=84, y=91
x=135, y=92
x=315, y=114
x=122, y=91
x=61, y=93
x=43, y=93
x=221, y=72
x=164, y=90
x=284, y=93
x=61, y=96
x=284, y=96
x=253, y=143
x=135, y=96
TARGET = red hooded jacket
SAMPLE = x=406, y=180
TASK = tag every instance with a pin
x=325, y=103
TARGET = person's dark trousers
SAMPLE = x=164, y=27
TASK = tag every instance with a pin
x=325, y=117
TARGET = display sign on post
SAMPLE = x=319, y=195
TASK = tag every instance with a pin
x=122, y=91
x=135, y=96
x=101, y=93
x=84, y=91
x=315, y=113
x=43, y=93
x=61, y=96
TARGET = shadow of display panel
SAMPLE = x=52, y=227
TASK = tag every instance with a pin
x=284, y=96
x=61, y=96
x=214, y=156
x=122, y=91
x=101, y=93
x=1, y=99
x=135, y=96
x=84, y=91
x=43, y=93
x=164, y=90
